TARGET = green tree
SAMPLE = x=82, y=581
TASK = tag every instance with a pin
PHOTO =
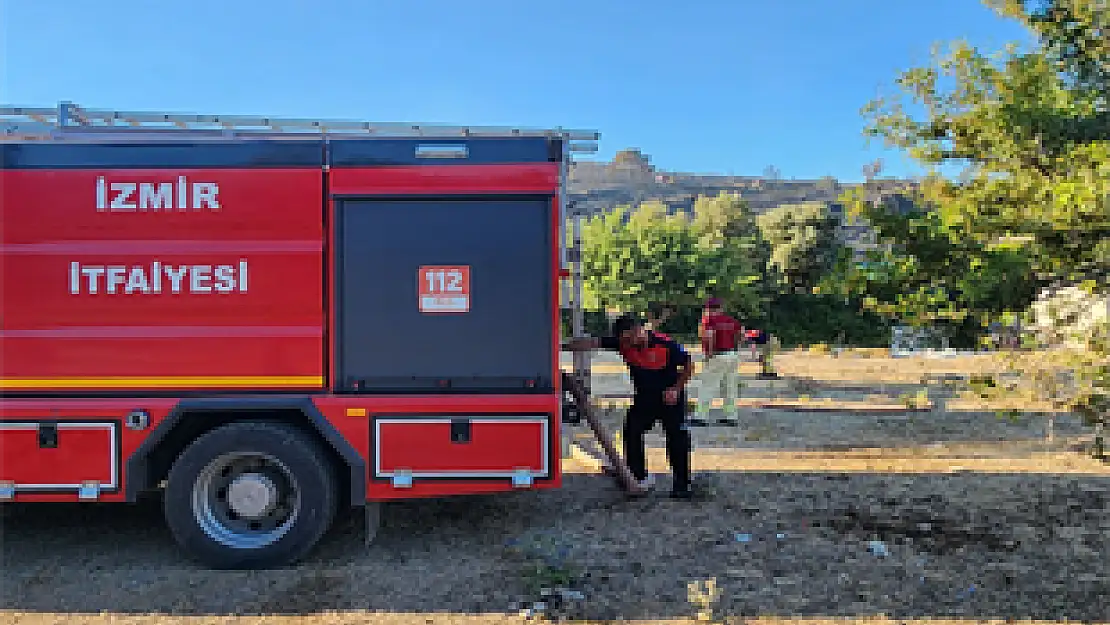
x=1073, y=35
x=727, y=230
x=723, y=217
x=803, y=243
x=1030, y=129
x=926, y=274
x=635, y=260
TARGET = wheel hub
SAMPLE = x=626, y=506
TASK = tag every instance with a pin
x=246, y=500
x=251, y=495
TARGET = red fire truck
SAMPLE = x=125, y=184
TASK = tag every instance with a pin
x=270, y=320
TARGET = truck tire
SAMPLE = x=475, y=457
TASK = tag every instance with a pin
x=250, y=495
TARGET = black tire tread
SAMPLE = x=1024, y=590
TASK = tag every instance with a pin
x=284, y=440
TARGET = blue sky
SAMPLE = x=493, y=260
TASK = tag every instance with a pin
x=712, y=86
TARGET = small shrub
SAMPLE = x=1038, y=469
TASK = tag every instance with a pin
x=545, y=563
x=916, y=401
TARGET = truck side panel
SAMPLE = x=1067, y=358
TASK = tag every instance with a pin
x=431, y=446
x=49, y=447
x=162, y=267
x=478, y=214
x=463, y=400
x=55, y=456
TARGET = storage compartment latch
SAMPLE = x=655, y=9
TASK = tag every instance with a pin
x=460, y=430
x=48, y=435
x=522, y=478
x=402, y=478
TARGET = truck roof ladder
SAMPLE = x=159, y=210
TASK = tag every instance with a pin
x=68, y=120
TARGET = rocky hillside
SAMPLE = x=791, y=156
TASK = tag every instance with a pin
x=631, y=179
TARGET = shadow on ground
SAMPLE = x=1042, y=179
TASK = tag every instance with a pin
x=846, y=429
x=965, y=545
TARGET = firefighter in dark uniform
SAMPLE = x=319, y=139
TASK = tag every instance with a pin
x=660, y=369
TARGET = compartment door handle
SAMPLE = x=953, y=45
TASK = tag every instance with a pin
x=48, y=435
x=460, y=430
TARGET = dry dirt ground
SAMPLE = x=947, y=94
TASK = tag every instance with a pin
x=944, y=515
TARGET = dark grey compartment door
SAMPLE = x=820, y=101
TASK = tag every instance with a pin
x=503, y=344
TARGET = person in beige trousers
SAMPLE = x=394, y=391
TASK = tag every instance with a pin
x=720, y=377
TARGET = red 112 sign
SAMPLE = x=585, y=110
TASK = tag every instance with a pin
x=444, y=289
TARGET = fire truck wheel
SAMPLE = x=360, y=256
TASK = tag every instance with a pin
x=250, y=495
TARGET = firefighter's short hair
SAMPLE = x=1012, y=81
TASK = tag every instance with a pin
x=624, y=323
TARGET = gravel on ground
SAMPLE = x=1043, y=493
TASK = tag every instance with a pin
x=956, y=517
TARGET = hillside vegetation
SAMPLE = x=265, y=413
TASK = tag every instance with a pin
x=631, y=180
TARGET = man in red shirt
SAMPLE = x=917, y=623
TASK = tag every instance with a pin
x=659, y=368
x=720, y=337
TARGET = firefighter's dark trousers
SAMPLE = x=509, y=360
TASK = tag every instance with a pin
x=640, y=419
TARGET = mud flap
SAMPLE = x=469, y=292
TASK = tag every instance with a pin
x=373, y=516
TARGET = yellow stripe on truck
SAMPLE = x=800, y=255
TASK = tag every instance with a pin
x=226, y=381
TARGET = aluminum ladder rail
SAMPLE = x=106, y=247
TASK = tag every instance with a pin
x=571, y=260
x=69, y=119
